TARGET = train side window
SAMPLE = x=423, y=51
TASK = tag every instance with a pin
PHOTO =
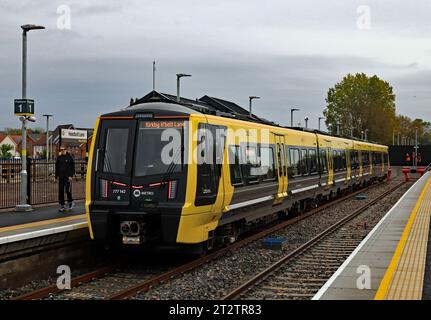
x=313, y=160
x=267, y=164
x=343, y=159
x=357, y=159
x=235, y=165
x=365, y=159
x=304, y=162
x=335, y=160
x=294, y=168
x=251, y=166
x=323, y=161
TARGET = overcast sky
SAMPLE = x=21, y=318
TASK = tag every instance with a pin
x=287, y=52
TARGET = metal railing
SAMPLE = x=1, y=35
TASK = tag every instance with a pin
x=42, y=187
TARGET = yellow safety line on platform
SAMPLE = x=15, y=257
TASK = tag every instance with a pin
x=406, y=254
x=41, y=223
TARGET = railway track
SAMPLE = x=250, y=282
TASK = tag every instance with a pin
x=111, y=284
x=301, y=273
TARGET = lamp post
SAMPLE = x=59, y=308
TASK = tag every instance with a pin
x=306, y=122
x=24, y=206
x=179, y=76
x=250, y=99
x=291, y=116
x=320, y=118
x=366, y=131
x=416, y=148
x=47, y=135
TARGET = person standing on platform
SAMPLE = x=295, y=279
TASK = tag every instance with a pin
x=64, y=171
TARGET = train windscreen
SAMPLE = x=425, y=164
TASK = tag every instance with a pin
x=159, y=147
x=116, y=150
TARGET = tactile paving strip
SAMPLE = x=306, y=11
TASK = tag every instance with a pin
x=405, y=275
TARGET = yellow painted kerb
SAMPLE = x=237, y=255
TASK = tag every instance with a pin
x=384, y=285
x=41, y=223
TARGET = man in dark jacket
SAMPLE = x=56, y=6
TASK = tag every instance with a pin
x=64, y=171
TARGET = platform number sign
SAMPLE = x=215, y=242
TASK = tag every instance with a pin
x=24, y=107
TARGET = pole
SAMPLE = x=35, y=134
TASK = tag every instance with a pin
x=24, y=206
x=154, y=75
x=398, y=139
x=291, y=117
x=47, y=135
x=249, y=105
x=178, y=88
x=24, y=64
x=320, y=118
x=416, y=148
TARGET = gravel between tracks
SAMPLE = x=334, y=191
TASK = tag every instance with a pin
x=217, y=278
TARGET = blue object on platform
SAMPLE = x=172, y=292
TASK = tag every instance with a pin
x=361, y=197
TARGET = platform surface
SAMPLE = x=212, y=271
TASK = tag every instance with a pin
x=390, y=262
x=42, y=221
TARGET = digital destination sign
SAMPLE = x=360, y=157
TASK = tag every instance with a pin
x=162, y=124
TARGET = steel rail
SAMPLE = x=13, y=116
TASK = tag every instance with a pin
x=53, y=289
x=145, y=285
x=270, y=270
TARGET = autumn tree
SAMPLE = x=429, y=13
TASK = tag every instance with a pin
x=358, y=103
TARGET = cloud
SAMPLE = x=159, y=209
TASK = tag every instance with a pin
x=289, y=53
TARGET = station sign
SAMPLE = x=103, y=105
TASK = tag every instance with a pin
x=73, y=134
x=24, y=107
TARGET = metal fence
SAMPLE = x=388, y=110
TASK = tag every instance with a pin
x=42, y=187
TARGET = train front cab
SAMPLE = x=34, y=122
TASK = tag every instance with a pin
x=132, y=196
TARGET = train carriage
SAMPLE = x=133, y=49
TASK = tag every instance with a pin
x=163, y=173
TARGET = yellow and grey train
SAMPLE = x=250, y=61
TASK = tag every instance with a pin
x=259, y=172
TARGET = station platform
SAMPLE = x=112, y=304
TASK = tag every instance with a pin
x=393, y=261
x=42, y=221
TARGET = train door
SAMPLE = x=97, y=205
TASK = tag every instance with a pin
x=349, y=155
x=113, y=161
x=280, y=146
x=211, y=145
x=330, y=160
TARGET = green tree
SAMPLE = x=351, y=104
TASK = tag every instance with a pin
x=4, y=151
x=360, y=102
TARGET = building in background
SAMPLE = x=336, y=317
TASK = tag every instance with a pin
x=5, y=139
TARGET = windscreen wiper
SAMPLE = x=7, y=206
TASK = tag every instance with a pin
x=167, y=175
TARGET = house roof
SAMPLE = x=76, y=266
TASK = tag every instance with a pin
x=34, y=136
x=16, y=138
x=2, y=136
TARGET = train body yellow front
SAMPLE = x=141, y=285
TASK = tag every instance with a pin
x=259, y=172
